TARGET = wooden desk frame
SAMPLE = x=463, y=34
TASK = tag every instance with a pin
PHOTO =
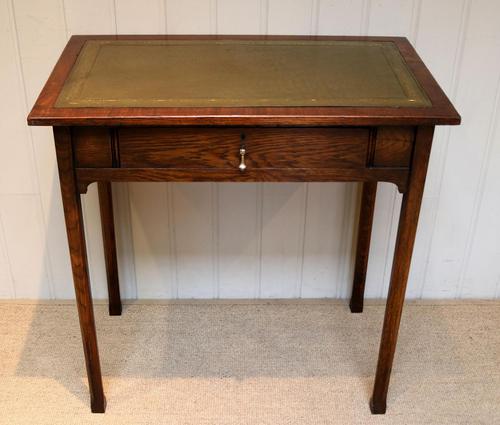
x=89, y=144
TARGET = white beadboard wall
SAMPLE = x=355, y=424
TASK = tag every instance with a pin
x=203, y=240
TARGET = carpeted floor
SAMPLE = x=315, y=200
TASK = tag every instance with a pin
x=305, y=362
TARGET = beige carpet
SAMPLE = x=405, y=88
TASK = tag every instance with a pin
x=251, y=363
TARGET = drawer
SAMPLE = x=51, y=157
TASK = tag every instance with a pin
x=265, y=148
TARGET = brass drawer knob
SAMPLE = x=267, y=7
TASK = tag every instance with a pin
x=242, y=166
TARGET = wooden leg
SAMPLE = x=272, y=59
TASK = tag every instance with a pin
x=78, y=253
x=401, y=266
x=108, y=237
x=363, y=247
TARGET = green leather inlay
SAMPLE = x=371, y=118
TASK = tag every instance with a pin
x=232, y=73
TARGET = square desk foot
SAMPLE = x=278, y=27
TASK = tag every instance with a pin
x=115, y=309
x=356, y=307
x=98, y=406
x=377, y=408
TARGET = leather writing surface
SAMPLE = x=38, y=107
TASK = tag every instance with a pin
x=229, y=73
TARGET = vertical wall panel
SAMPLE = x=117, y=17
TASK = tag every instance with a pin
x=90, y=16
x=390, y=17
x=151, y=239
x=146, y=18
x=380, y=250
x=41, y=31
x=480, y=274
x=290, y=16
x=476, y=98
x=340, y=17
x=323, y=254
x=438, y=36
x=481, y=258
x=282, y=239
x=238, y=240
x=7, y=289
x=124, y=240
x=53, y=217
x=16, y=158
x=207, y=240
x=421, y=249
x=95, y=248
x=193, y=222
x=346, y=236
x=440, y=47
x=482, y=270
x=189, y=16
x=238, y=16
x=41, y=34
x=20, y=216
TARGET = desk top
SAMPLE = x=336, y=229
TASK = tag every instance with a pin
x=222, y=73
x=225, y=80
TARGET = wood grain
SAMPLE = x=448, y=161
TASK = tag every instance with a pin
x=393, y=146
x=92, y=147
x=108, y=237
x=79, y=264
x=407, y=230
x=218, y=148
x=398, y=176
x=44, y=112
x=283, y=145
x=363, y=246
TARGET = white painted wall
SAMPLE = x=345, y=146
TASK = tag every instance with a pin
x=256, y=240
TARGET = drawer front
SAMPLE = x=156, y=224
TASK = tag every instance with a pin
x=265, y=148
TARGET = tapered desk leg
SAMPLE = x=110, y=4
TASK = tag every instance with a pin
x=410, y=209
x=76, y=239
x=108, y=237
x=363, y=247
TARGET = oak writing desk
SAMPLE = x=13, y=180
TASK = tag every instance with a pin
x=242, y=109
